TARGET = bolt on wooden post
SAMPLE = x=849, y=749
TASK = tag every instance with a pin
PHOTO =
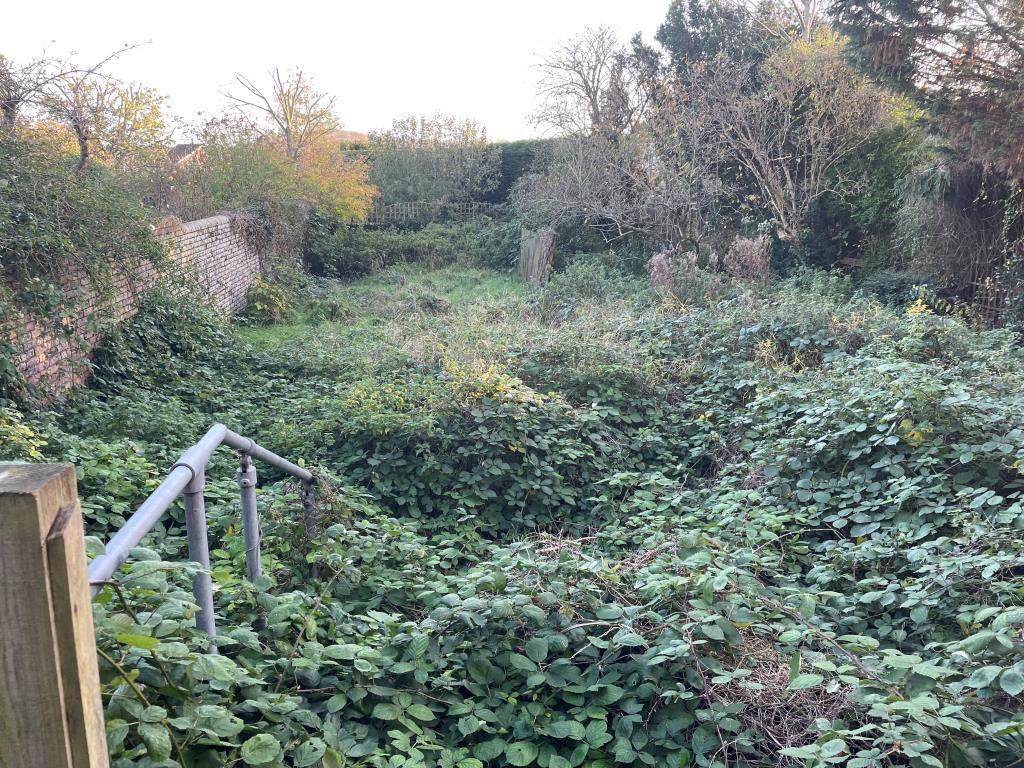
x=51, y=715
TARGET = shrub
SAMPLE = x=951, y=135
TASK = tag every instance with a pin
x=332, y=308
x=493, y=244
x=893, y=287
x=748, y=259
x=586, y=278
x=18, y=440
x=171, y=336
x=267, y=302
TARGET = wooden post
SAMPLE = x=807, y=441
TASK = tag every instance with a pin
x=50, y=709
x=536, y=252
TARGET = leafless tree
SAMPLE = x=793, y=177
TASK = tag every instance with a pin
x=21, y=83
x=808, y=15
x=574, y=79
x=636, y=156
x=785, y=20
x=292, y=108
x=659, y=181
x=793, y=122
x=32, y=82
x=594, y=84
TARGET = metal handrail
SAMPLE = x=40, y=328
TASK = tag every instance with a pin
x=188, y=477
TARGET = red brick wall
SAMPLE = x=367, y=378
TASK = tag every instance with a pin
x=208, y=251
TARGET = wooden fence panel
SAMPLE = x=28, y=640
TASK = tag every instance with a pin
x=50, y=709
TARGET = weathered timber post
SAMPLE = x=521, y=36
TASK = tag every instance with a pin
x=536, y=253
x=50, y=709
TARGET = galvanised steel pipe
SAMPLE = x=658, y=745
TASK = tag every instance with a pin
x=246, y=478
x=199, y=552
x=136, y=527
x=309, y=519
x=146, y=516
x=245, y=445
x=188, y=477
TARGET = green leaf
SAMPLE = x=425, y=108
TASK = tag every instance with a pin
x=519, y=661
x=805, y=680
x=479, y=669
x=342, y=651
x=362, y=748
x=490, y=749
x=308, y=753
x=534, y=613
x=420, y=712
x=333, y=758
x=608, y=694
x=260, y=750
x=983, y=677
x=712, y=631
x=521, y=753
x=1008, y=618
x=578, y=755
x=157, y=739
x=537, y=649
x=859, y=643
x=597, y=733
x=832, y=748
x=566, y=729
x=386, y=711
x=145, y=642
x=469, y=725
x=419, y=645
x=1012, y=682
x=627, y=638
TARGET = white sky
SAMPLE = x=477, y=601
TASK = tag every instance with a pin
x=381, y=58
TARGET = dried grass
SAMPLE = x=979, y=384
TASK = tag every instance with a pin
x=784, y=718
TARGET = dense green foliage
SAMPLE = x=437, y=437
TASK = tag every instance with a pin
x=581, y=525
x=517, y=159
x=435, y=158
x=334, y=249
x=975, y=99
x=54, y=223
x=733, y=513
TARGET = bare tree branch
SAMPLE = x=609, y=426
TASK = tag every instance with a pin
x=292, y=109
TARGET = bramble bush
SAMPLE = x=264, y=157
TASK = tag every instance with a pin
x=583, y=526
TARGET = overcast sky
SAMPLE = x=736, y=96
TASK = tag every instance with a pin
x=381, y=58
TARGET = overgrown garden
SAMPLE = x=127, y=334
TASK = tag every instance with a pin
x=572, y=525
x=738, y=485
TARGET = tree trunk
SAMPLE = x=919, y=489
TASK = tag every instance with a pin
x=83, y=146
x=10, y=115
